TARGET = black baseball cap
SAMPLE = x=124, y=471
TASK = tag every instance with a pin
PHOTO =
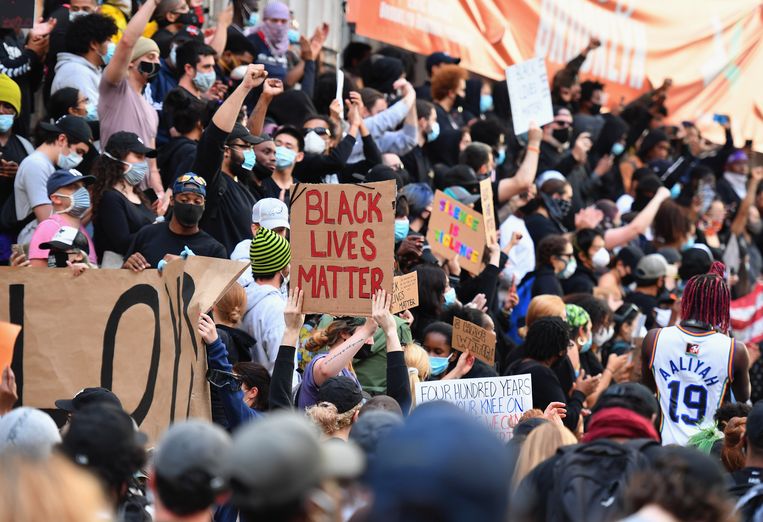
x=88, y=396
x=630, y=256
x=75, y=128
x=240, y=132
x=342, y=392
x=440, y=57
x=128, y=141
x=66, y=239
x=630, y=395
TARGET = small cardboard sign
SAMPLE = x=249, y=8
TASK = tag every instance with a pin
x=456, y=230
x=497, y=402
x=342, y=245
x=469, y=336
x=529, y=94
x=488, y=211
x=405, y=292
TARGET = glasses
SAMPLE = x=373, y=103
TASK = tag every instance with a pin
x=565, y=255
x=223, y=380
x=241, y=147
x=320, y=131
x=191, y=178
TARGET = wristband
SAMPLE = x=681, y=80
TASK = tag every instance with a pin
x=533, y=148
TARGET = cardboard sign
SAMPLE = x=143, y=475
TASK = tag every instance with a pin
x=405, y=292
x=498, y=402
x=456, y=230
x=529, y=94
x=135, y=334
x=342, y=245
x=17, y=14
x=469, y=336
x=8, y=334
x=488, y=211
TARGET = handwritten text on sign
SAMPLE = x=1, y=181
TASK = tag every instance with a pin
x=342, y=241
x=469, y=336
x=529, y=94
x=488, y=211
x=405, y=292
x=456, y=230
x=498, y=402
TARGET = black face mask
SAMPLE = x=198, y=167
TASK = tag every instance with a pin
x=562, y=135
x=57, y=259
x=150, y=69
x=261, y=171
x=595, y=108
x=188, y=214
x=188, y=18
x=627, y=279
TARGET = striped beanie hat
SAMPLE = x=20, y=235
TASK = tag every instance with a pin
x=269, y=252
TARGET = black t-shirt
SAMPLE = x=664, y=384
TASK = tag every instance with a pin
x=539, y=226
x=582, y=281
x=117, y=221
x=156, y=241
x=15, y=151
x=744, y=479
x=546, y=282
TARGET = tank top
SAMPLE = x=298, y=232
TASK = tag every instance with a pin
x=692, y=372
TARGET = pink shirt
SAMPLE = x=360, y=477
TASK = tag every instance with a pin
x=45, y=232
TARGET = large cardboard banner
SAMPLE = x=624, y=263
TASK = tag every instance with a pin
x=135, y=334
x=498, y=402
x=713, y=56
x=456, y=230
x=342, y=245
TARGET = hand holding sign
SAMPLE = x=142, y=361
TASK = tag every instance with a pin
x=529, y=94
x=470, y=337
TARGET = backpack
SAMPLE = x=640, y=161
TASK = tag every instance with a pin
x=589, y=479
x=519, y=313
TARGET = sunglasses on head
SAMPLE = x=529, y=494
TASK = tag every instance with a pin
x=320, y=131
x=223, y=380
x=189, y=178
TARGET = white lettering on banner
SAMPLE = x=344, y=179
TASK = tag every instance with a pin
x=423, y=16
x=566, y=27
x=497, y=402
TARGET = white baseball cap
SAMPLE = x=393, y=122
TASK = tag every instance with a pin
x=270, y=213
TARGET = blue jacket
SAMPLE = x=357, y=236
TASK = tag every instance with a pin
x=233, y=401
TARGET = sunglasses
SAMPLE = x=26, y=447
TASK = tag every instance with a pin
x=223, y=380
x=191, y=178
x=320, y=131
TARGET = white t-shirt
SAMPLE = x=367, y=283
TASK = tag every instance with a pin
x=522, y=256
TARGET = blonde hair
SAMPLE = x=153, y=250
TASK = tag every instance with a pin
x=545, y=305
x=417, y=361
x=231, y=307
x=531, y=414
x=331, y=335
x=541, y=444
x=328, y=418
x=49, y=489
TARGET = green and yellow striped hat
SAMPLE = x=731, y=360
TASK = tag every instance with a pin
x=269, y=252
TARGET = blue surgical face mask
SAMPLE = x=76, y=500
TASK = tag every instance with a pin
x=204, y=81
x=434, y=133
x=284, y=158
x=136, y=173
x=486, y=102
x=401, y=229
x=501, y=157
x=293, y=35
x=618, y=148
x=70, y=161
x=254, y=19
x=675, y=191
x=92, y=112
x=450, y=296
x=6, y=122
x=110, y=48
x=688, y=244
x=586, y=346
x=438, y=364
x=80, y=202
x=249, y=160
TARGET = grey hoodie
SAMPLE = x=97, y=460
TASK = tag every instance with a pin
x=72, y=70
x=264, y=321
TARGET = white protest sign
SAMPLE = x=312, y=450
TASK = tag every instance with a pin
x=340, y=90
x=497, y=402
x=529, y=94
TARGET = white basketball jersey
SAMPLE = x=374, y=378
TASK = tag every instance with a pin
x=692, y=372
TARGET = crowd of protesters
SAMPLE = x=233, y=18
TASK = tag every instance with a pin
x=622, y=240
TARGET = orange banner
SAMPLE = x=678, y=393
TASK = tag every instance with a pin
x=710, y=48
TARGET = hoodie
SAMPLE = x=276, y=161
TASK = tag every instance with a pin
x=264, y=322
x=72, y=70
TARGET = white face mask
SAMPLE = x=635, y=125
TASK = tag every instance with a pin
x=314, y=144
x=601, y=258
x=602, y=336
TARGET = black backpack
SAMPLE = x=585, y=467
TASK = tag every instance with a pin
x=589, y=479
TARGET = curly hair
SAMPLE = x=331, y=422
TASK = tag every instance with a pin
x=108, y=172
x=446, y=79
x=546, y=338
x=83, y=31
x=326, y=416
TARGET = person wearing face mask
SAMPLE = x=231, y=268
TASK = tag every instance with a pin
x=119, y=209
x=554, y=261
x=552, y=204
x=588, y=117
x=64, y=143
x=580, y=328
x=88, y=49
x=225, y=159
x=417, y=161
x=320, y=162
x=448, y=91
x=64, y=16
x=270, y=255
x=173, y=17
x=121, y=105
x=14, y=148
x=616, y=282
x=628, y=326
x=592, y=258
x=165, y=240
x=69, y=201
x=650, y=274
x=556, y=140
x=290, y=146
x=271, y=40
